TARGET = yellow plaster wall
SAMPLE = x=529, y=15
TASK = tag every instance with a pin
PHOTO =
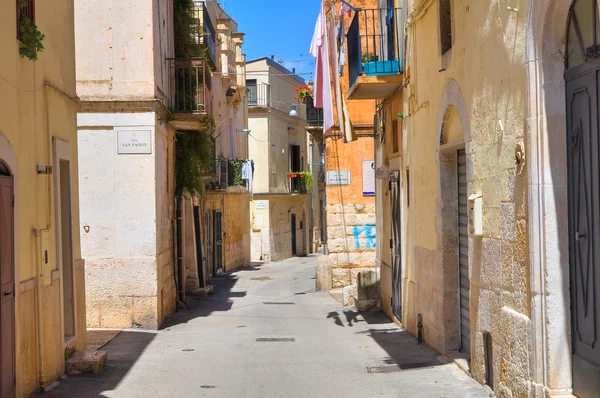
x=486, y=66
x=36, y=106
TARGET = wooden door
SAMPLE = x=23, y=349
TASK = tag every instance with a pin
x=7, y=289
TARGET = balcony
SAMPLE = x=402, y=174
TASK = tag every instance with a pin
x=218, y=174
x=375, y=48
x=259, y=95
x=189, y=100
x=314, y=116
x=204, y=34
x=300, y=182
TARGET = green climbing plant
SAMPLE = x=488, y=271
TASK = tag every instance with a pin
x=30, y=36
x=234, y=171
x=193, y=154
x=306, y=179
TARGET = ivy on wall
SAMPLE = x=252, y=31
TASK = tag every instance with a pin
x=29, y=35
x=193, y=154
x=235, y=172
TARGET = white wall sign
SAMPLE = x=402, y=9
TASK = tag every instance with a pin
x=338, y=177
x=261, y=204
x=368, y=170
x=134, y=141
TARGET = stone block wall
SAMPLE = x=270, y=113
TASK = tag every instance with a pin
x=351, y=242
x=236, y=244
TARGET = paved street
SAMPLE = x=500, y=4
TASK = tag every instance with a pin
x=214, y=348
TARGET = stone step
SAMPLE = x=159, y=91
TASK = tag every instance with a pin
x=89, y=361
x=203, y=291
x=337, y=294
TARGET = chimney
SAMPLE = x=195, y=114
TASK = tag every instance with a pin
x=272, y=57
x=294, y=71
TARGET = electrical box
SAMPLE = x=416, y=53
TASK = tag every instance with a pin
x=47, y=257
x=476, y=215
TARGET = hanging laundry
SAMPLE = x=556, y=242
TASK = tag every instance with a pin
x=246, y=170
x=319, y=48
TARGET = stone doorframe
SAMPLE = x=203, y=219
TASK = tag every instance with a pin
x=451, y=103
x=548, y=207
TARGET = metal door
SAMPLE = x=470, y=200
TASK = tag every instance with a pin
x=218, y=239
x=395, y=244
x=463, y=256
x=7, y=290
x=209, y=248
x=198, y=240
x=583, y=144
x=293, y=228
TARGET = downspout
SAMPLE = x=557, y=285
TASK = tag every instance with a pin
x=179, y=263
x=38, y=288
x=175, y=249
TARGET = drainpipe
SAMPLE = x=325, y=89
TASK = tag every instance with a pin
x=38, y=288
x=174, y=240
x=179, y=264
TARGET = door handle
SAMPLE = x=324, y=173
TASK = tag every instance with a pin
x=6, y=294
x=579, y=236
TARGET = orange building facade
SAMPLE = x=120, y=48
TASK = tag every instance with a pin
x=349, y=260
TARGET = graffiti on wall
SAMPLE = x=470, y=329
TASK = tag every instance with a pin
x=370, y=233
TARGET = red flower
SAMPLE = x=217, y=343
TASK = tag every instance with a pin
x=303, y=91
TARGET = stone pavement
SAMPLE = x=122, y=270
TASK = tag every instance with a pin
x=265, y=332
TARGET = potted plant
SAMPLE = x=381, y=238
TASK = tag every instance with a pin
x=306, y=179
x=302, y=92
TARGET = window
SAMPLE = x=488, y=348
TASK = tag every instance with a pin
x=25, y=9
x=445, y=25
x=395, y=137
x=252, y=92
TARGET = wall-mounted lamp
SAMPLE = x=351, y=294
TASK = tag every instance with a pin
x=293, y=111
x=44, y=169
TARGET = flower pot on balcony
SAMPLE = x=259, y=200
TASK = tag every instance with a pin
x=293, y=175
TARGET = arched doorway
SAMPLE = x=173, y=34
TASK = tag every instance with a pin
x=7, y=284
x=582, y=78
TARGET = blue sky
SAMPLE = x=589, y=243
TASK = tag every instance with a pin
x=280, y=28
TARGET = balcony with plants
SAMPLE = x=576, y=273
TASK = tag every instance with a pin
x=190, y=69
x=300, y=182
x=375, y=50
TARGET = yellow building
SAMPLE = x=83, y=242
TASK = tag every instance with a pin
x=278, y=145
x=226, y=218
x=484, y=195
x=42, y=312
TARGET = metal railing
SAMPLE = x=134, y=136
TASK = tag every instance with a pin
x=314, y=116
x=191, y=84
x=375, y=43
x=205, y=34
x=259, y=95
x=218, y=172
x=25, y=9
x=296, y=184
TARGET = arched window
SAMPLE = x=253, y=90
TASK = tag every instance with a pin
x=4, y=171
x=583, y=33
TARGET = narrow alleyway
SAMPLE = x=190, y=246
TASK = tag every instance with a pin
x=265, y=332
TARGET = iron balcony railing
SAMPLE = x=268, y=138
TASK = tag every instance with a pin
x=375, y=43
x=314, y=116
x=297, y=185
x=205, y=34
x=259, y=94
x=191, y=85
x=25, y=10
x=218, y=174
